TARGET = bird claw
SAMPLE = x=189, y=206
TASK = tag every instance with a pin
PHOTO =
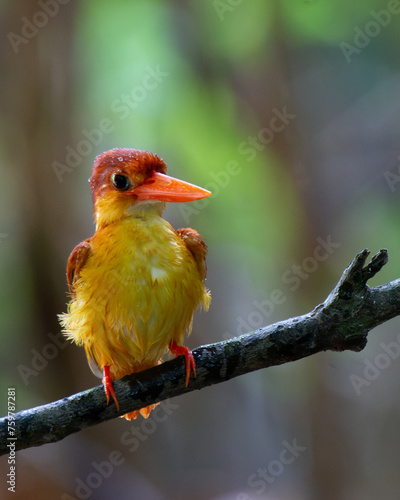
x=179, y=350
x=108, y=386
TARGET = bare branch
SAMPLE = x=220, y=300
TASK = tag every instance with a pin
x=342, y=322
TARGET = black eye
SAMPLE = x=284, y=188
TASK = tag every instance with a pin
x=121, y=182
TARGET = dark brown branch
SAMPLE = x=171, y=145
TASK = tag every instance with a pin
x=342, y=322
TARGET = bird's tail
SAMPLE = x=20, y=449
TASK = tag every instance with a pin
x=145, y=412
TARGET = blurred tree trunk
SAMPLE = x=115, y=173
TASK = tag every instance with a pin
x=37, y=114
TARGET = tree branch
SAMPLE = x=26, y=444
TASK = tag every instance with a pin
x=342, y=322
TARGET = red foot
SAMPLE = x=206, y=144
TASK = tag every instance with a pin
x=108, y=386
x=178, y=350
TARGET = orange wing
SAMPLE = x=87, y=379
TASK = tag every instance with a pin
x=197, y=248
x=76, y=261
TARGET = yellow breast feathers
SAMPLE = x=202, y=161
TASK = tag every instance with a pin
x=136, y=292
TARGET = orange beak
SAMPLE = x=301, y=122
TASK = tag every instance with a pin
x=162, y=187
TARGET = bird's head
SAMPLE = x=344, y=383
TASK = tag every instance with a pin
x=126, y=182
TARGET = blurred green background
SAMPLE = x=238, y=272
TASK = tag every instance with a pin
x=289, y=112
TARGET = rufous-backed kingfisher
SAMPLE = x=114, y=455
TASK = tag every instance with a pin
x=136, y=283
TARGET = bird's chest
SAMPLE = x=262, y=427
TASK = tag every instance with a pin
x=136, y=292
x=137, y=266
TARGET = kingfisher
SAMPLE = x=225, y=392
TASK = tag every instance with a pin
x=136, y=283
